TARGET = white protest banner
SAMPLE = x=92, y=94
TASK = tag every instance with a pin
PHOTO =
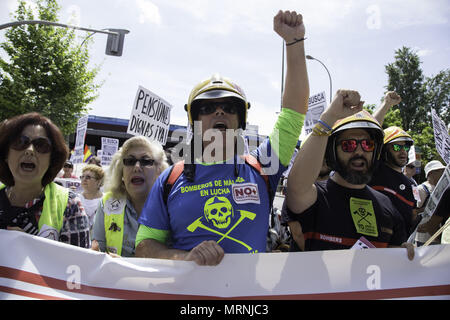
x=39, y=268
x=441, y=137
x=150, y=116
x=78, y=154
x=316, y=105
x=109, y=147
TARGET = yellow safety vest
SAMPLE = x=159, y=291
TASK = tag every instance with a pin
x=114, y=215
x=55, y=203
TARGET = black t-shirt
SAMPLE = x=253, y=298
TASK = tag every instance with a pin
x=398, y=188
x=340, y=216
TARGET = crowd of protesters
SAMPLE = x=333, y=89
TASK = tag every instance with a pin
x=350, y=179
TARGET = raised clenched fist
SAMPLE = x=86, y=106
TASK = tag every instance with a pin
x=289, y=25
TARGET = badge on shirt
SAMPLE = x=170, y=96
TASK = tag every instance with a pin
x=362, y=243
x=363, y=216
x=246, y=193
x=415, y=193
x=115, y=206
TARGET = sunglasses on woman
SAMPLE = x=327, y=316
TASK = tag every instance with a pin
x=350, y=145
x=41, y=144
x=129, y=162
x=211, y=107
x=399, y=147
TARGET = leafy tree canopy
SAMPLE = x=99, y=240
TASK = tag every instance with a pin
x=419, y=95
x=46, y=71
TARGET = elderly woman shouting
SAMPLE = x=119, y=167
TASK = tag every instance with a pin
x=133, y=170
x=32, y=152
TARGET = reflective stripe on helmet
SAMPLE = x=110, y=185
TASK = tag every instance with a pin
x=393, y=134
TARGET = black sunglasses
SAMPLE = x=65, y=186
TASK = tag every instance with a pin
x=211, y=107
x=128, y=162
x=41, y=144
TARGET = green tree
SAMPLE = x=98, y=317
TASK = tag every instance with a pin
x=47, y=71
x=419, y=95
x=438, y=94
x=406, y=78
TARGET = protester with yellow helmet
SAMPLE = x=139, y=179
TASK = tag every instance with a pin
x=389, y=178
x=216, y=202
x=336, y=213
x=214, y=88
x=297, y=241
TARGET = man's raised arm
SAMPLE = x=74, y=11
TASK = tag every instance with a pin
x=289, y=25
x=302, y=192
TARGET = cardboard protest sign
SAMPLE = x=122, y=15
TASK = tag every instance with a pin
x=316, y=105
x=441, y=137
x=70, y=183
x=109, y=147
x=78, y=154
x=150, y=116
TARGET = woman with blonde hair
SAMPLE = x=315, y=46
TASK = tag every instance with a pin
x=130, y=176
x=92, y=177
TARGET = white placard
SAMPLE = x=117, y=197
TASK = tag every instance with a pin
x=109, y=147
x=150, y=116
x=441, y=137
x=78, y=154
x=70, y=183
x=316, y=106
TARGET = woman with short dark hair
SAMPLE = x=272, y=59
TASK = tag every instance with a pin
x=32, y=152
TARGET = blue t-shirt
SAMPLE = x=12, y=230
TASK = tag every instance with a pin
x=218, y=205
x=232, y=209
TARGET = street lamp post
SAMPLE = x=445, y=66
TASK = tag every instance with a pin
x=114, y=43
x=329, y=76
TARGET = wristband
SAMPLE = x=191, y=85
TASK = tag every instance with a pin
x=319, y=130
x=325, y=125
x=295, y=41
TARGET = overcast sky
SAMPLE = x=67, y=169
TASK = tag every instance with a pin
x=173, y=44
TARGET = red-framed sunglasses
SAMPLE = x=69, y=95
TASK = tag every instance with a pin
x=350, y=145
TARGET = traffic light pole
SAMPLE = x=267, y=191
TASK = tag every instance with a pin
x=115, y=40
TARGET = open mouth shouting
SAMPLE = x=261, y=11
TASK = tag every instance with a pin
x=220, y=125
x=137, y=180
x=27, y=166
x=358, y=164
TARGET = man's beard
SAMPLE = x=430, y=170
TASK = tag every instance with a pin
x=393, y=161
x=353, y=176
